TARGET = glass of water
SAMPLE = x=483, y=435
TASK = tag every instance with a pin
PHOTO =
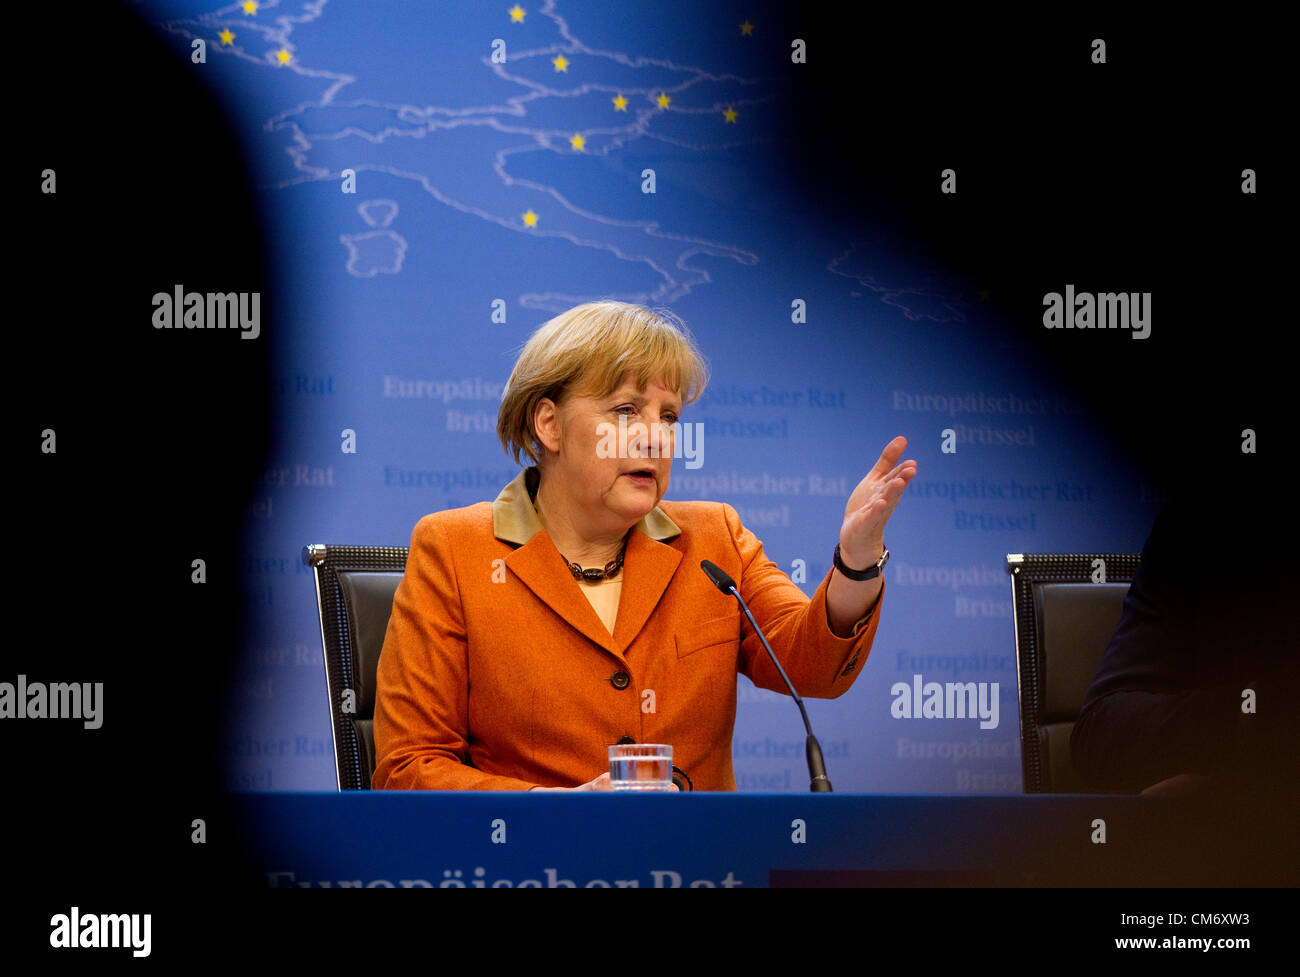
x=641, y=766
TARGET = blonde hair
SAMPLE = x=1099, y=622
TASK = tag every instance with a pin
x=590, y=349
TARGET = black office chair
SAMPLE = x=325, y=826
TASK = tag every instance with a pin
x=354, y=594
x=1063, y=622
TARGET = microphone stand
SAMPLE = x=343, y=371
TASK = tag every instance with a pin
x=812, y=749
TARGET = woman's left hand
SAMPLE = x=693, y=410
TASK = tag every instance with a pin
x=871, y=505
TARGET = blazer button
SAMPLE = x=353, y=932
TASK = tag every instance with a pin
x=624, y=740
x=620, y=679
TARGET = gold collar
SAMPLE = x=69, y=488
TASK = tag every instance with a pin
x=515, y=520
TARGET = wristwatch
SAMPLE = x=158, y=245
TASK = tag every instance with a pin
x=870, y=573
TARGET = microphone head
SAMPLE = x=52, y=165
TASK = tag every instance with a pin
x=719, y=577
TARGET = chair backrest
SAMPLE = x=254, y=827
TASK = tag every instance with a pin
x=354, y=595
x=1065, y=612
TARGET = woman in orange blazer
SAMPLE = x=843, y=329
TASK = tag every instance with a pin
x=531, y=633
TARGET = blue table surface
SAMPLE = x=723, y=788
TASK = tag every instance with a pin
x=489, y=838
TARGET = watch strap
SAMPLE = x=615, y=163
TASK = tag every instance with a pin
x=868, y=574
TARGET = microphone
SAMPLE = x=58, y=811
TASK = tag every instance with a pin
x=813, y=749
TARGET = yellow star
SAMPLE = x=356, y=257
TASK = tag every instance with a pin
x=663, y=100
x=746, y=28
x=226, y=37
x=730, y=114
x=577, y=142
x=620, y=103
x=561, y=63
x=516, y=14
x=530, y=218
x=283, y=55
x=250, y=7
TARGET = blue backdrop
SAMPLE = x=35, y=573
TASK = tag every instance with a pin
x=412, y=184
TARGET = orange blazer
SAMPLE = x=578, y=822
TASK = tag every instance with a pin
x=497, y=674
